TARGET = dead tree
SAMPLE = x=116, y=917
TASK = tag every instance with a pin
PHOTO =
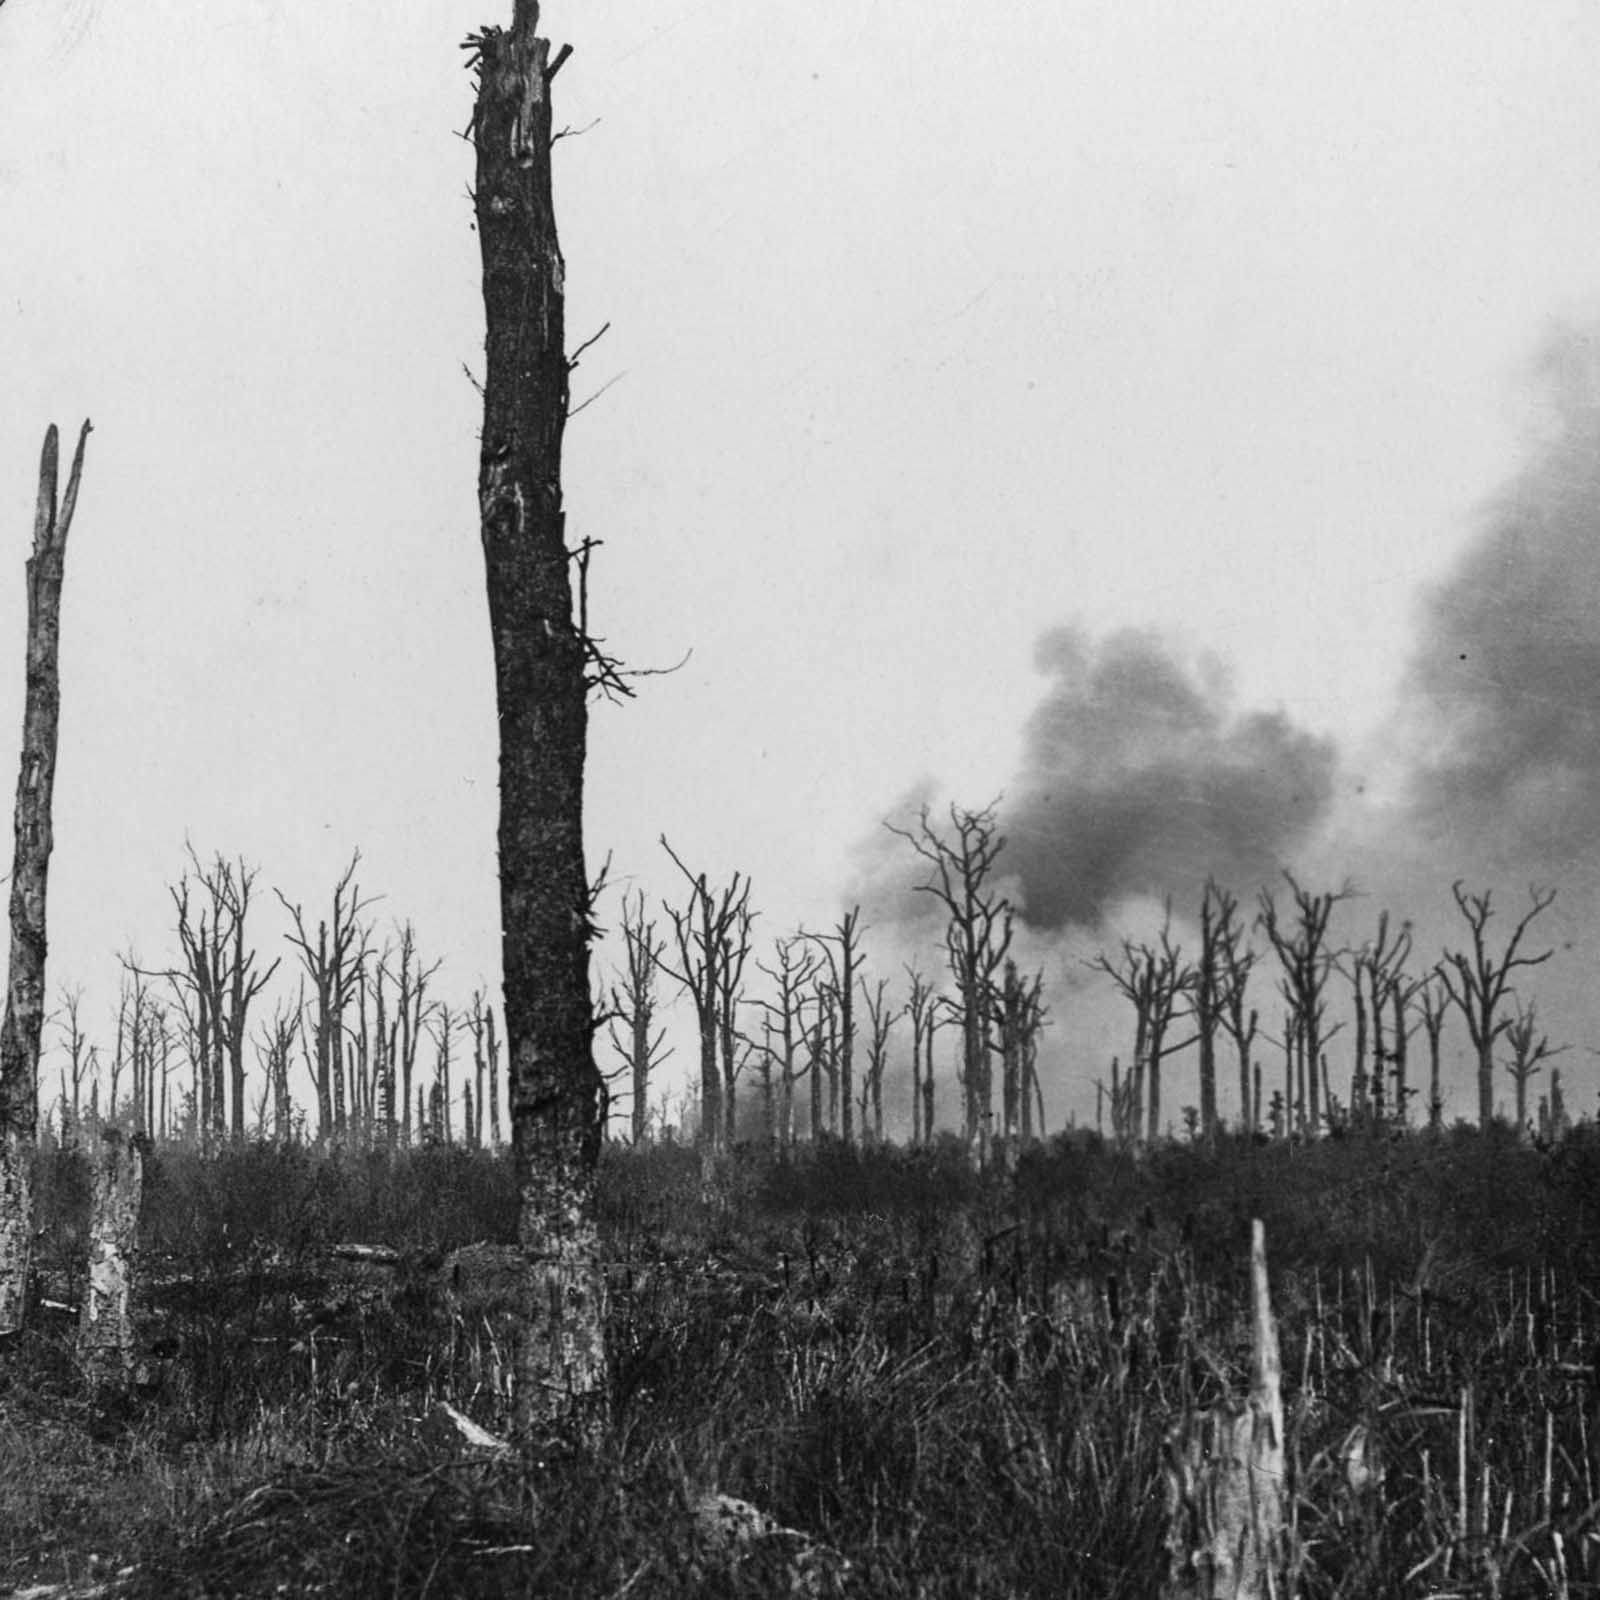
x=922, y=1008
x=410, y=977
x=1553, y=1123
x=76, y=1044
x=200, y=984
x=220, y=981
x=793, y=971
x=152, y=1046
x=542, y=659
x=1017, y=1012
x=364, y=1060
x=1293, y=1095
x=709, y=933
x=126, y=1015
x=819, y=1059
x=1153, y=979
x=732, y=1046
x=478, y=1026
x=1219, y=977
x=25, y=992
x=977, y=937
x=1300, y=940
x=139, y=1023
x=1479, y=982
x=1382, y=993
x=844, y=964
x=1124, y=1110
x=1237, y=963
x=476, y=1088
x=1530, y=1049
x=333, y=964
x=274, y=1051
x=880, y=1022
x=244, y=981
x=440, y=1095
x=486, y=1065
x=633, y=1004
x=216, y=984
x=1433, y=1000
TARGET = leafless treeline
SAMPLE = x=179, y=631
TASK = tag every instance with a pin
x=807, y=1058
x=360, y=1051
x=798, y=1034
x=1285, y=1083
x=1254, y=1004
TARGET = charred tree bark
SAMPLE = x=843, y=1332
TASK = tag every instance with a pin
x=24, y=1014
x=540, y=659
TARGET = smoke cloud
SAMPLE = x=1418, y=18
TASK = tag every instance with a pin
x=1140, y=778
x=1140, y=775
x=1502, y=703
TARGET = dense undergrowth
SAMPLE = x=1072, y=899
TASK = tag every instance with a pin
x=961, y=1383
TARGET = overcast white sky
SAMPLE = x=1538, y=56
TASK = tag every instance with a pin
x=932, y=328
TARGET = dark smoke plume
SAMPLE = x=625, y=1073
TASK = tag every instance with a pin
x=1140, y=778
x=1503, y=702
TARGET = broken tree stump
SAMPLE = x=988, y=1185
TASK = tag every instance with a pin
x=105, y=1320
x=1225, y=1476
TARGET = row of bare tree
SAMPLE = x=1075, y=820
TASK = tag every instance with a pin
x=378, y=1059
x=818, y=1042
x=363, y=1042
x=804, y=1035
x=1181, y=1003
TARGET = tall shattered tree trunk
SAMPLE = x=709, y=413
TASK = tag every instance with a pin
x=540, y=658
x=24, y=1015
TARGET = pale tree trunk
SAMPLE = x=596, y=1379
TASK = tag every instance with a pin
x=105, y=1324
x=1225, y=1476
x=541, y=667
x=492, y=1045
x=24, y=1014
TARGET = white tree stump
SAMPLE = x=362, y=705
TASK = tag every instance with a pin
x=1225, y=1476
x=105, y=1320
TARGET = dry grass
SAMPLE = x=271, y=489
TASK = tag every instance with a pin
x=963, y=1388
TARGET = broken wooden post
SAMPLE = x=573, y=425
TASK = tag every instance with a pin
x=1225, y=1476
x=105, y=1320
x=24, y=1009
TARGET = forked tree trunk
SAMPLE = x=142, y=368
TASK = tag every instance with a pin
x=541, y=662
x=24, y=1014
x=105, y=1322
